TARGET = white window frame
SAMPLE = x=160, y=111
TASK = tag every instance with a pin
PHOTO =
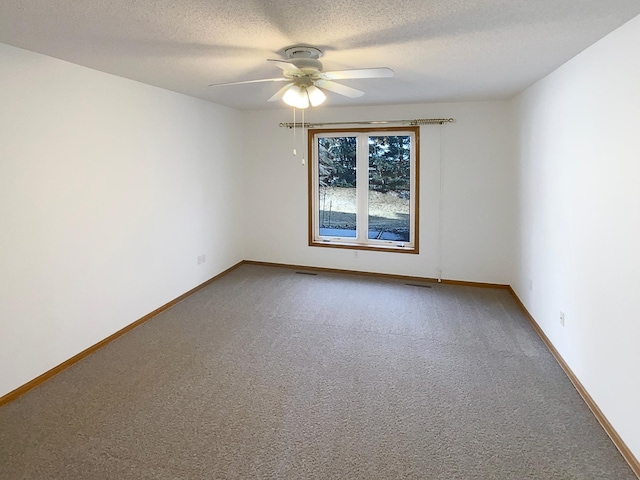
x=361, y=241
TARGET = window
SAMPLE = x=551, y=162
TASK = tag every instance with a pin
x=363, y=188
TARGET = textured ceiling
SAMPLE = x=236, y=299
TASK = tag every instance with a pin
x=441, y=50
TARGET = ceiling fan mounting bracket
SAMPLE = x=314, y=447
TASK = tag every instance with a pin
x=304, y=57
x=302, y=51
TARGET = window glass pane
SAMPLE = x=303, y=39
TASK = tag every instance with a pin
x=389, y=187
x=337, y=186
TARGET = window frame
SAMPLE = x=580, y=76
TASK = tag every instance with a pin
x=316, y=240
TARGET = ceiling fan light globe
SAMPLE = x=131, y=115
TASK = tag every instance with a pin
x=316, y=96
x=303, y=102
x=296, y=96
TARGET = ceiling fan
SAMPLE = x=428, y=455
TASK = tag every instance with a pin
x=306, y=80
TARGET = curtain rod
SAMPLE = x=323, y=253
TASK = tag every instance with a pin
x=417, y=121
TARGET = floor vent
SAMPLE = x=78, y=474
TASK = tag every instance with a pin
x=418, y=285
x=306, y=273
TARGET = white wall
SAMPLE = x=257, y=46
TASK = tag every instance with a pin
x=478, y=193
x=109, y=190
x=579, y=219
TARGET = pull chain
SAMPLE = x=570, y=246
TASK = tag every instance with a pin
x=294, y=132
x=303, y=137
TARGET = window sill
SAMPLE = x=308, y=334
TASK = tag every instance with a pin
x=391, y=247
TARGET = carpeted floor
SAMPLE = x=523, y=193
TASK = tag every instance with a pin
x=272, y=374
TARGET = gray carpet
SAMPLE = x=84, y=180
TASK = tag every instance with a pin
x=268, y=373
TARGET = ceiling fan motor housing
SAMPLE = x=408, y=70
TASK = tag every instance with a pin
x=305, y=57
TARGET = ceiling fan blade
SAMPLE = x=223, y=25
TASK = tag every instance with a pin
x=279, y=79
x=339, y=89
x=381, y=72
x=279, y=93
x=286, y=66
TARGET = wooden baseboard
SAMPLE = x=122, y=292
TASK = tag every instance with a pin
x=390, y=276
x=9, y=397
x=606, y=425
